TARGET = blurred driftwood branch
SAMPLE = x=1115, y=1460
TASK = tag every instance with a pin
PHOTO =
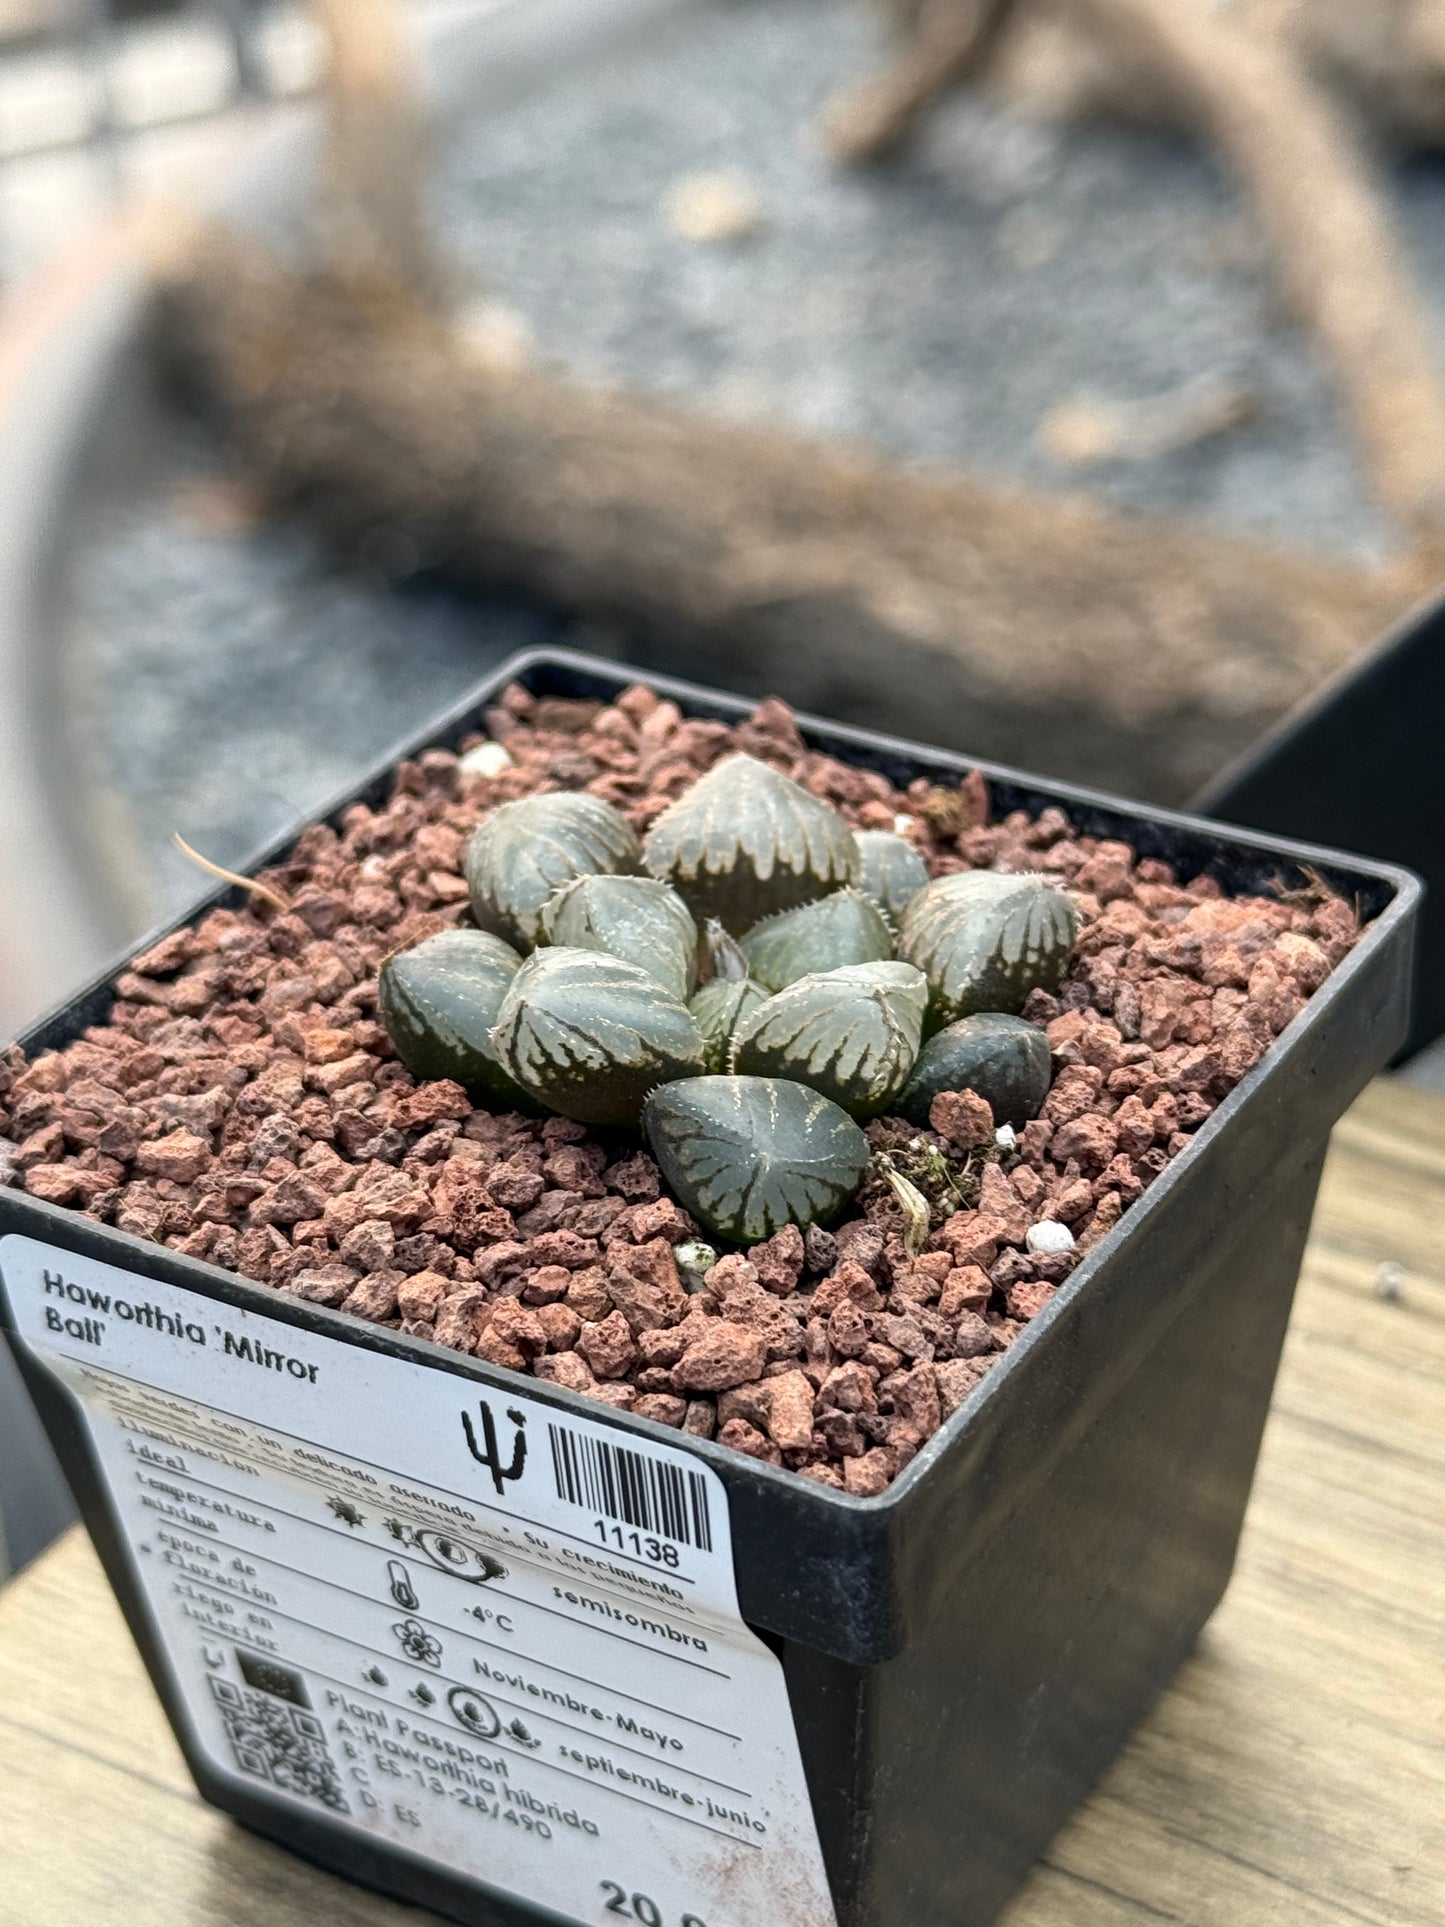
x=1383, y=59
x=374, y=204
x=1063, y=633
x=1243, y=75
x=1059, y=633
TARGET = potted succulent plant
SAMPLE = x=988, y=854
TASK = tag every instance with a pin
x=748, y=1089
x=672, y=1299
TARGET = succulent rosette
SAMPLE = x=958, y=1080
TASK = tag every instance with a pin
x=809, y=1016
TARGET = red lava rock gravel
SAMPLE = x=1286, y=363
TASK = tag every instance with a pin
x=242, y=1105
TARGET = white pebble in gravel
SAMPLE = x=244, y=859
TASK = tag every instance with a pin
x=1005, y=1137
x=1048, y=1238
x=694, y=1261
x=487, y=759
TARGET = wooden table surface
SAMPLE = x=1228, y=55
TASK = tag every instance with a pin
x=1295, y=1772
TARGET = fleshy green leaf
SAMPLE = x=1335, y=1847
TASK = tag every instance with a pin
x=984, y=940
x=746, y=840
x=1003, y=1059
x=748, y=1155
x=524, y=851
x=636, y=918
x=720, y=1008
x=439, y=1001
x=852, y=1034
x=893, y=871
x=844, y=928
x=590, y=1035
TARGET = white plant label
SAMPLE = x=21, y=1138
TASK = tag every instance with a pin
x=501, y=1638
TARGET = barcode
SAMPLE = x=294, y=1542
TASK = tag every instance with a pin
x=632, y=1488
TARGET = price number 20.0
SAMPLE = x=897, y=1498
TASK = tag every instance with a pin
x=639, y=1907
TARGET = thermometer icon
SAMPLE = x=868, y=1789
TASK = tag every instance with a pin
x=402, y=1590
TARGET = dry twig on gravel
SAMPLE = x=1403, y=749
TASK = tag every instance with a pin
x=1331, y=235
x=1091, y=430
x=939, y=44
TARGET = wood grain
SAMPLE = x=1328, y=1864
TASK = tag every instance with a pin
x=1294, y=1773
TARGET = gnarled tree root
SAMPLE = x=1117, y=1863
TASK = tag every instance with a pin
x=1038, y=629
x=1298, y=157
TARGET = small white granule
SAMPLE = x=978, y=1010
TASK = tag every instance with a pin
x=1049, y=1238
x=487, y=759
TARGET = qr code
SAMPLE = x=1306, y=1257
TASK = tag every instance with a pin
x=280, y=1741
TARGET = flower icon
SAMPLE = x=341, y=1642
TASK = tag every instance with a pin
x=419, y=1646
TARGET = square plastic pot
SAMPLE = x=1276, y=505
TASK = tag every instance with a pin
x=965, y=1653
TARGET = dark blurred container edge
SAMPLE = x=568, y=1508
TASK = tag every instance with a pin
x=1361, y=766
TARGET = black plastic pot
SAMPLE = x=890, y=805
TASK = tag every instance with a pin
x=1359, y=764
x=965, y=1653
